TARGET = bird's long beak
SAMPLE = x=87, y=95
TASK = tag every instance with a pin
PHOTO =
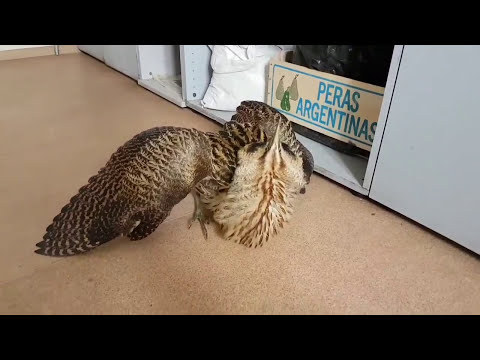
x=274, y=143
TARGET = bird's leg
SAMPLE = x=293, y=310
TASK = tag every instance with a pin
x=199, y=215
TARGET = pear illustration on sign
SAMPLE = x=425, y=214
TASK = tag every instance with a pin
x=286, y=95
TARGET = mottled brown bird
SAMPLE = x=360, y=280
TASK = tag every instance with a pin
x=151, y=173
x=271, y=168
x=268, y=178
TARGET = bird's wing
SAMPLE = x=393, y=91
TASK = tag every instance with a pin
x=142, y=181
x=260, y=114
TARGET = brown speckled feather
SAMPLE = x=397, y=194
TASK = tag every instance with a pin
x=133, y=193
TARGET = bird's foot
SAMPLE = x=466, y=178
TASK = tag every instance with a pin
x=202, y=219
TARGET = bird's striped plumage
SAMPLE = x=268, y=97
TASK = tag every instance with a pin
x=151, y=173
x=259, y=201
x=258, y=197
x=133, y=193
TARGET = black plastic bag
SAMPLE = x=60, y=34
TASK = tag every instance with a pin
x=366, y=63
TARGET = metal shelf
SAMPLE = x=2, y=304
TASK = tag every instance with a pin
x=171, y=90
x=344, y=169
x=220, y=116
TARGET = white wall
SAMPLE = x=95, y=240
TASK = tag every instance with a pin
x=15, y=47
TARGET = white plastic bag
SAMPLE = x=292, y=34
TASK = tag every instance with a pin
x=240, y=73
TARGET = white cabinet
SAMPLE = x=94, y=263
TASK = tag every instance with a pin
x=428, y=166
x=123, y=58
x=160, y=71
x=155, y=67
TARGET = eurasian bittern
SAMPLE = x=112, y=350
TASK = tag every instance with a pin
x=151, y=173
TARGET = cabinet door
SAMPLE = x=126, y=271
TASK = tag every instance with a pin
x=123, y=58
x=428, y=167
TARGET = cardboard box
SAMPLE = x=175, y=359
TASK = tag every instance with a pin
x=335, y=106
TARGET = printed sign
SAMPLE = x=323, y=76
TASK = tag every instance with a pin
x=336, y=106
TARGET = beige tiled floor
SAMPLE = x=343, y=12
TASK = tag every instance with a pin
x=62, y=117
